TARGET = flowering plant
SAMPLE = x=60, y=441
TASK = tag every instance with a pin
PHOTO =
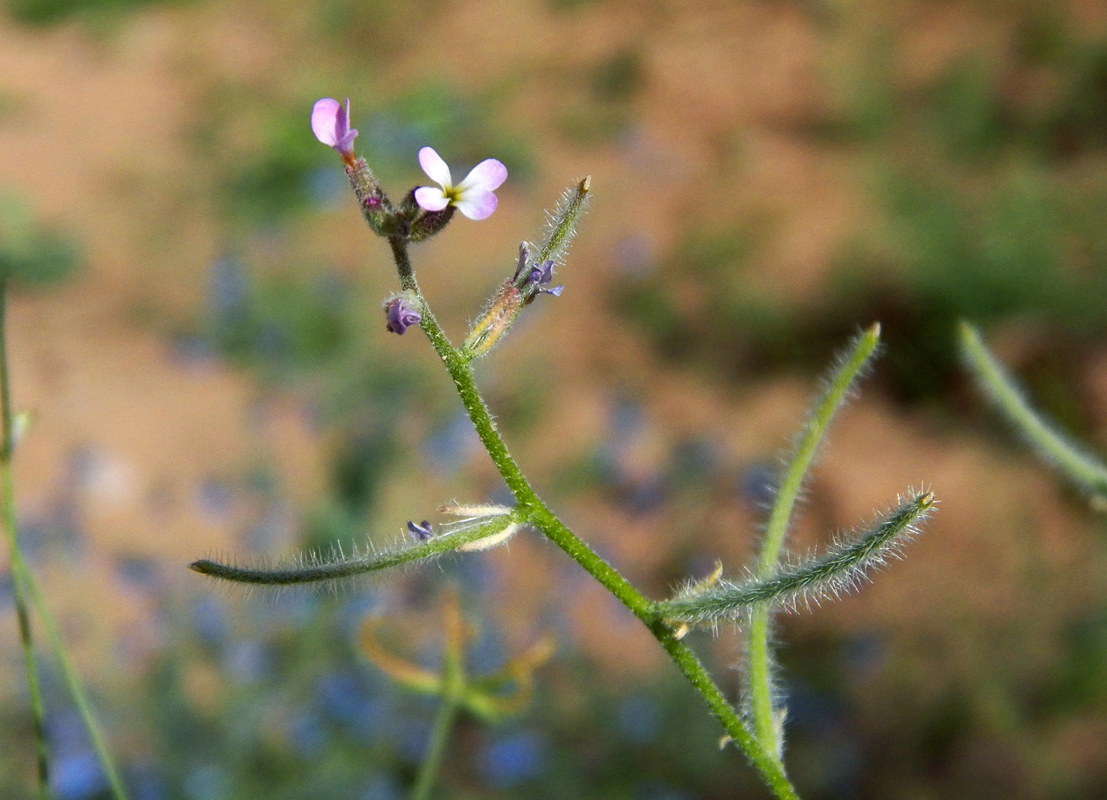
x=757, y=727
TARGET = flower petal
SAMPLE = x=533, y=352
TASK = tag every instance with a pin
x=476, y=204
x=431, y=198
x=488, y=175
x=324, y=120
x=436, y=169
x=345, y=144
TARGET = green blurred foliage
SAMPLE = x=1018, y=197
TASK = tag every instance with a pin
x=53, y=12
x=990, y=185
x=32, y=254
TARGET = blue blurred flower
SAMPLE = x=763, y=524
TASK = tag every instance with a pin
x=514, y=759
x=384, y=787
x=347, y=698
x=637, y=719
x=7, y=590
x=757, y=484
x=192, y=352
x=138, y=572
x=306, y=733
x=450, y=446
x=77, y=776
x=147, y=782
x=486, y=654
x=209, y=620
x=228, y=291
x=327, y=187
x=215, y=499
x=247, y=660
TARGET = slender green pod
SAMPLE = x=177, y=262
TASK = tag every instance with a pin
x=759, y=676
x=561, y=225
x=842, y=568
x=311, y=569
x=1068, y=457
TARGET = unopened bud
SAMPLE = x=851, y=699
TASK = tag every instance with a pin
x=427, y=223
x=401, y=313
x=420, y=532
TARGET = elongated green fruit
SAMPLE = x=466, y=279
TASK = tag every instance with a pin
x=759, y=677
x=1071, y=459
x=314, y=569
x=562, y=225
x=841, y=569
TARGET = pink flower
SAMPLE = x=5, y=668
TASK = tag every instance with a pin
x=474, y=197
x=331, y=124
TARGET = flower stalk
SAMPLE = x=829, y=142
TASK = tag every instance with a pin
x=759, y=736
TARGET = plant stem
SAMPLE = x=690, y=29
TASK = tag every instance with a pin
x=453, y=692
x=77, y=690
x=760, y=659
x=19, y=570
x=542, y=518
x=26, y=586
x=1082, y=468
x=443, y=724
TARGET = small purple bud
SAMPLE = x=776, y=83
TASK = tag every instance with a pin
x=420, y=532
x=522, y=265
x=400, y=316
x=540, y=276
x=537, y=279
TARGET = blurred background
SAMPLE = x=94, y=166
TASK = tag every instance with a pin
x=198, y=335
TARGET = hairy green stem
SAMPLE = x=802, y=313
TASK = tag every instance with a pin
x=342, y=568
x=760, y=659
x=540, y=516
x=840, y=569
x=19, y=570
x=1083, y=469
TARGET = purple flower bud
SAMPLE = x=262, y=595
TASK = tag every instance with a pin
x=399, y=315
x=537, y=278
x=420, y=532
x=330, y=122
x=522, y=264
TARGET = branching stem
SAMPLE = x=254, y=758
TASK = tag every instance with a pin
x=760, y=661
x=539, y=515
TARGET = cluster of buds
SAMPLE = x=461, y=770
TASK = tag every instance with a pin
x=426, y=210
x=527, y=283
